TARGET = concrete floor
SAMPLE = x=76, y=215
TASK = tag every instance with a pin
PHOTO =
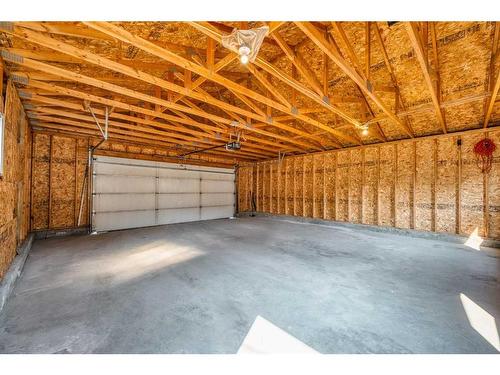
x=198, y=287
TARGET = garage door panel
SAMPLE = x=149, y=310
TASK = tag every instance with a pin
x=124, y=220
x=124, y=170
x=179, y=185
x=211, y=186
x=136, y=193
x=208, y=213
x=215, y=176
x=123, y=202
x=217, y=199
x=178, y=200
x=177, y=173
x=124, y=184
x=178, y=215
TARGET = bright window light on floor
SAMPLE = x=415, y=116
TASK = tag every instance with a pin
x=482, y=321
x=474, y=241
x=265, y=338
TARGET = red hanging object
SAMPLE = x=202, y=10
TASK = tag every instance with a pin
x=484, y=150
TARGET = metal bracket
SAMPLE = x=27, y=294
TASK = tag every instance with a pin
x=7, y=26
x=104, y=131
x=23, y=80
x=24, y=94
x=281, y=156
x=11, y=56
x=369, y=86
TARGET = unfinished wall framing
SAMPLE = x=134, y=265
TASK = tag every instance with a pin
x=15, y=181
x=430, y=184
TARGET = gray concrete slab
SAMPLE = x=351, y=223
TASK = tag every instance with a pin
x=198, y=287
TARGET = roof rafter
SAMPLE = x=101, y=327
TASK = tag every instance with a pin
x=212, y=32
x=133, y=108
x=494, y=84
x=317, y=37
x=417, y=45
x=110, y=64
x=149, y=123
x=125, y=36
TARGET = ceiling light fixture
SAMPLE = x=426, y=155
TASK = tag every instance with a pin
x=244, y=53
x=364, y=129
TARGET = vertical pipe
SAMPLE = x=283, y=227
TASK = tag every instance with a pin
x=458, y=197
x=49, y=208
x=324, y=187
x=362, y=205
x=378, y=186
x=486, y=200
x=394, y=185
x=414, y=187
x=314, y=186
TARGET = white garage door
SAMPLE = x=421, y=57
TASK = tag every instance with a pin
x=130, y=193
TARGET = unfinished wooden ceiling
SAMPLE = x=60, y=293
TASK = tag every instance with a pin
x=314, y=86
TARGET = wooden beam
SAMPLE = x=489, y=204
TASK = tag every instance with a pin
x=269, y=68
x=100, y=61
x=1, y=85
x=148, y=98
x=123, y=35
x=367, y=49
x=139, y=130
x=417, y=45
x=299, y=63
x=84, y=128
x=317, y=37
x=269, y=87
x=354, y=61
x=394, y=80
x=494, y=83
x=118, y=104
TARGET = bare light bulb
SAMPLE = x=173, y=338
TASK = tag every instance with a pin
x=244, y=59
x=244, y=51
x=364, y=130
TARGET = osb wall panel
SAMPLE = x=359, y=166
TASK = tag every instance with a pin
x=355, y=185
x=59, y=167
x=494, y=192
x=446, y=180
x=274, y=186
x=410, y=184
x=40, y=184
x=15, y=181
x=289, y=186
x=424, y=185
x=472, y=189
x=404, y=184
x=386, y=185
x=318, y=185
x=343, y=162
x=282, y=187
x=299, y=186
x=265, y=187
x=308, y=186
x=370, y=174
x=329, y=170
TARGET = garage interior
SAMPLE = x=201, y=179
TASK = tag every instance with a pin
x=249, y=187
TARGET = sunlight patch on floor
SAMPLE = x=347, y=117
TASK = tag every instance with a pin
x=482, y=321
x=474, y=241
x=265, y=338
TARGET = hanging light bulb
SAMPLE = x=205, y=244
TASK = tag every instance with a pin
x=364, y=129
x=244, y=52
